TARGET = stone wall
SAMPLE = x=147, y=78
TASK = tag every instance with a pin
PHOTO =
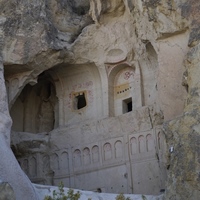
x=123, y=154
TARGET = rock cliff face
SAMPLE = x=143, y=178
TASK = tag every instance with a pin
x=84, y=47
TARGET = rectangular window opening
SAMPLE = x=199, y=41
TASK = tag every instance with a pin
x=79, y=100
x=127, y=105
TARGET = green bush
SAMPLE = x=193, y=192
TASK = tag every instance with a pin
x=122, y=197
x=60, y=195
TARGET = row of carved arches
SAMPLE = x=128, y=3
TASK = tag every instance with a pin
x=59, y=162
x=29, y=166
x=39, y=165
x=142, y=144
x=91, y=156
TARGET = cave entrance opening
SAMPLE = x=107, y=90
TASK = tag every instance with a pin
x=34, y=109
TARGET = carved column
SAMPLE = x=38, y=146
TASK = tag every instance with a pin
x=61, y=114
x=104, y=86
x=137, y=87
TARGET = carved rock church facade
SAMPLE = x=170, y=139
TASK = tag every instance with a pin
x=93, y=128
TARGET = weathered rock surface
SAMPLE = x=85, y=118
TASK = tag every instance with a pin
x=183, y=134
x=38, y=35
x=9, y=168
x=6, y=192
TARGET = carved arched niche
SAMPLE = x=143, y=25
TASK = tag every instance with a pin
x=122, y=86
x=35, y=109
x=81, y=93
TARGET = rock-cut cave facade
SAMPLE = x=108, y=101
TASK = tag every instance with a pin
x=93, y=130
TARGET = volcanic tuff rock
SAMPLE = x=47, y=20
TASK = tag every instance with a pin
x=37, y=35
x=6, y=192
